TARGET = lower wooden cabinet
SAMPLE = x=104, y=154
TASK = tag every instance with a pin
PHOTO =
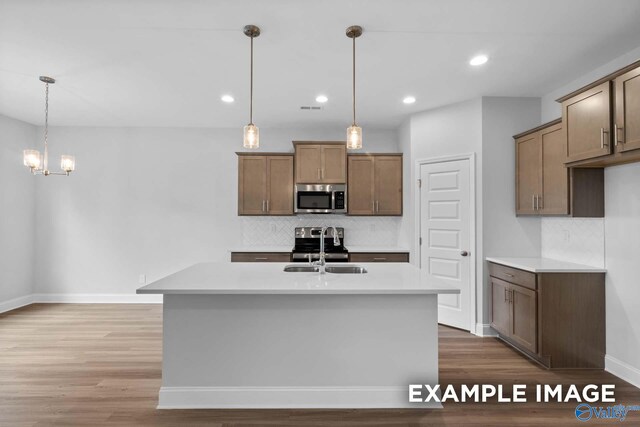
x=557, y=319
x=379, y=257
x=260, y=256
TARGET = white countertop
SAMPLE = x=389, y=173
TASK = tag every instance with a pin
x=376, y=249
x=545, y=265
x=351, y=248
x=269, y=278
x=273, y=248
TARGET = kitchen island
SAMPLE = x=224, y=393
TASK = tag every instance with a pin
x=250, y=335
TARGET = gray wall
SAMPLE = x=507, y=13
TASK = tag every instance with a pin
x=17, y=221
x=147, y=200
x=483, y=126
x=504, y=234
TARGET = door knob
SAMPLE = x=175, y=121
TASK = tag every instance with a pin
x=464, y=253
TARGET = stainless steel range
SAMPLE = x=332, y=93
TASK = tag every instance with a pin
x=307, y=245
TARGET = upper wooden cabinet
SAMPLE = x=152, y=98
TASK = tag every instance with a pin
x=375, y=184
x=602, y=120
x=626, y=135
x=265, y=184
x=542, y=180
x=320, y=163
x=586, y=119
x=545, y=186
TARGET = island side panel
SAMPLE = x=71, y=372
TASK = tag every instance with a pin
x=286, y=351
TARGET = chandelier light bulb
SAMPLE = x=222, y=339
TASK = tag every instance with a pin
x=67, y=163
x=354, y=137
x=251, y=136
x=32, y=159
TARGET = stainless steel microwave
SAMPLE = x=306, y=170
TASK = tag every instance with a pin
x=321, y=198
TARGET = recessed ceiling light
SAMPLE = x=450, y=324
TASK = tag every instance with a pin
x=478, y=60
x=321, y=99
x=227, y=98
x=409, y=99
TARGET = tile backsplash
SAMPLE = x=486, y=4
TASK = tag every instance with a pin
x=359, y=231
x=579, y=240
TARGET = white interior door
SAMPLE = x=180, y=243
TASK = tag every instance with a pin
x=445, y=231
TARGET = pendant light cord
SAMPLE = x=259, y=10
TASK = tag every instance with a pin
x=354, y=81
x=46, y=127
x=251, y=86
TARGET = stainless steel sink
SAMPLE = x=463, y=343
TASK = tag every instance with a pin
x=301, y=269
x=336, y=269
x=348, y=269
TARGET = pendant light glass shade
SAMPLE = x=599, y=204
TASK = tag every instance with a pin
x=251, y=136
x=67, y=163
x=354, y=137
x=32, y=159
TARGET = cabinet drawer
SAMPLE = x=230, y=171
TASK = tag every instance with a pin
x=379, y=257
x=260, y=257
x=513, y=275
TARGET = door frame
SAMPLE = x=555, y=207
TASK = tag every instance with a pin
x=471, y=157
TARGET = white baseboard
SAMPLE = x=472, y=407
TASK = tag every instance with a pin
x=79, y=299
x=485, y=330
x=287, y=397
x=97, y=298
x=622, y=370
x=12, y=304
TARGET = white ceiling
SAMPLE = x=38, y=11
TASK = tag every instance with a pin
x=167, y=62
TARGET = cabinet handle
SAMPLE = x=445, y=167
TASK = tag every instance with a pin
x=505, y=295
x=322, y=173
x=602, y=143
x=377, y=206
x=267, y=206
x=379, y=259
x=616, y=141
x=261, y=258
x=507, y=274
x=263, y=206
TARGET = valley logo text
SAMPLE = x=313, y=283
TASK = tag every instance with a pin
x=517, y=393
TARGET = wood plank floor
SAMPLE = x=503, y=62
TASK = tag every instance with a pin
x=100, y=365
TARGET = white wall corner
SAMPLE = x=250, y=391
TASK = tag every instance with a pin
x=622, y=370
x=485, y=330
x=14, y=303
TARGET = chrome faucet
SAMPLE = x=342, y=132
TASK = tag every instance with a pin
x=336, y=241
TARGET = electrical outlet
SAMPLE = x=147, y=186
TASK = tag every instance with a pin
x=142, y=279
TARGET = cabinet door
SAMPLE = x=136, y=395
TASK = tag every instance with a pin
x=627, y=117
x=360, y=193
x=279, y=185
x=523, y=317
x=334, y=164
x=555, y=176
x=500, y=307
x=308, y=164
x=528, y=173
x=388, y=185
x=586, y=119
x=252, y=185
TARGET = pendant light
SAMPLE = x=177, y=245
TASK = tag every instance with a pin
x=354, y=132
x=39, y=163
x=251, y=131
